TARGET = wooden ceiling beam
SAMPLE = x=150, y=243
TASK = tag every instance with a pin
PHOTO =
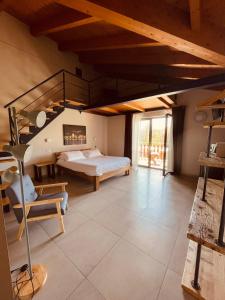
x=160, y=70
x=134, y=106
x=109, y=109
x=167, y=99
x=171, y=28
x=43, y=30
x=164, y=102
x=211, y=81
x=138, y=57
x=119, y=41
x=166, y=80
x=195, y=14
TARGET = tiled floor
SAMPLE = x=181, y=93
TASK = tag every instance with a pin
x=124, y=242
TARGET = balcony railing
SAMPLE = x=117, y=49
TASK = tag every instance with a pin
x=151, y=155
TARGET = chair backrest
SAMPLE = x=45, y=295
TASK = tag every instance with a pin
x=13, y=192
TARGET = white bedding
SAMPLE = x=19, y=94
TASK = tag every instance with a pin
x=95, y=166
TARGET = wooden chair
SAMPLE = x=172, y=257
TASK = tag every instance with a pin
x=38, y=206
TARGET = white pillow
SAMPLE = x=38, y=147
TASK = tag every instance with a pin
x=92, y=153
x=72, y=155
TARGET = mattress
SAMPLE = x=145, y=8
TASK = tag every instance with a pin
x=95, y=166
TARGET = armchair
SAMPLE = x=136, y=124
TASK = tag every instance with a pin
x=38, y=206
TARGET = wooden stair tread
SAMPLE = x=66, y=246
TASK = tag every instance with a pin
x=214, y=124
x=212, y=161
x=211, y=274
x=3, y=186
x=2, y=161
x=205, y=216
x=4, y=201
x=76, y=103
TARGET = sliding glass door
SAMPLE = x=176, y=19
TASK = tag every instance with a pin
x=155, y=144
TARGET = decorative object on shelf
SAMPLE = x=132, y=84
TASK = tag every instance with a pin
x=74, y=134
x=31, y=278
x=200, y=116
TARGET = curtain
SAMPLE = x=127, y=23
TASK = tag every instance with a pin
x=170, y=151
x=136, y=122
x=178, y=128
x=128, y=135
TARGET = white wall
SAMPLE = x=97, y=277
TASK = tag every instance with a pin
x=116, y=131
x=195, y=136
x=96, y=126
x=25, y=61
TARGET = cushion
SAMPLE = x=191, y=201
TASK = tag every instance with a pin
x=92, y=153
x=72, y=155
x=47, y=209
x=13, y=192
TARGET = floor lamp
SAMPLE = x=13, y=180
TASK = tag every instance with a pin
x=34, y=277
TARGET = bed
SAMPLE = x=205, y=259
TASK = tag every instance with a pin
x=92, y=165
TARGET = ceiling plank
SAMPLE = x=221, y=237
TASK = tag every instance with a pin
x=215, y=80
x=120, y=41
x=170, y=29
x=134, y=106
x=195, y=14
x=38, y=30
x=138, y=58
x=109, y=109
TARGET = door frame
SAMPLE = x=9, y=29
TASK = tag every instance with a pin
x=149, y=142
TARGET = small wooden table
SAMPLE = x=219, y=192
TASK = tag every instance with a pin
x=38, y=169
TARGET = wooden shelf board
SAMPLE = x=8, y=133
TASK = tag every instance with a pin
x=205, y=216
x=211, y=274
x=214, y=124
x=212, y=161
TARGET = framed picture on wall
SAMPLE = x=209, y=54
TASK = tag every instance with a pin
x=74, y=134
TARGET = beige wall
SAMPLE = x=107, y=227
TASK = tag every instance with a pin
x=116, y=130
x=50, y=139
x=195, y=136
x=26, y=60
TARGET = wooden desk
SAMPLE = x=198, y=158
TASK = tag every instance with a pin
x=38, y=169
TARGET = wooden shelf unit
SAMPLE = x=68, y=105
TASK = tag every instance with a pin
x=211, y=274
x=211, y=161
x=204, y=271
x=205, y=216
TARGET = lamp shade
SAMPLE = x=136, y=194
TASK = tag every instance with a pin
x=37, y=118
x=21, y=152
x=10, y=175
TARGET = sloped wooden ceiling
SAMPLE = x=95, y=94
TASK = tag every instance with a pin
x=155, y=41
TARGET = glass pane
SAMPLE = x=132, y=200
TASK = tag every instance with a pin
x=157, y=143
x=144, y=143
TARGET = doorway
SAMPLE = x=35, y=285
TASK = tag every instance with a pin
x=155, y=145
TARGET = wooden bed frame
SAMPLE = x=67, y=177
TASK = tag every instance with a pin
x=94, y=179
